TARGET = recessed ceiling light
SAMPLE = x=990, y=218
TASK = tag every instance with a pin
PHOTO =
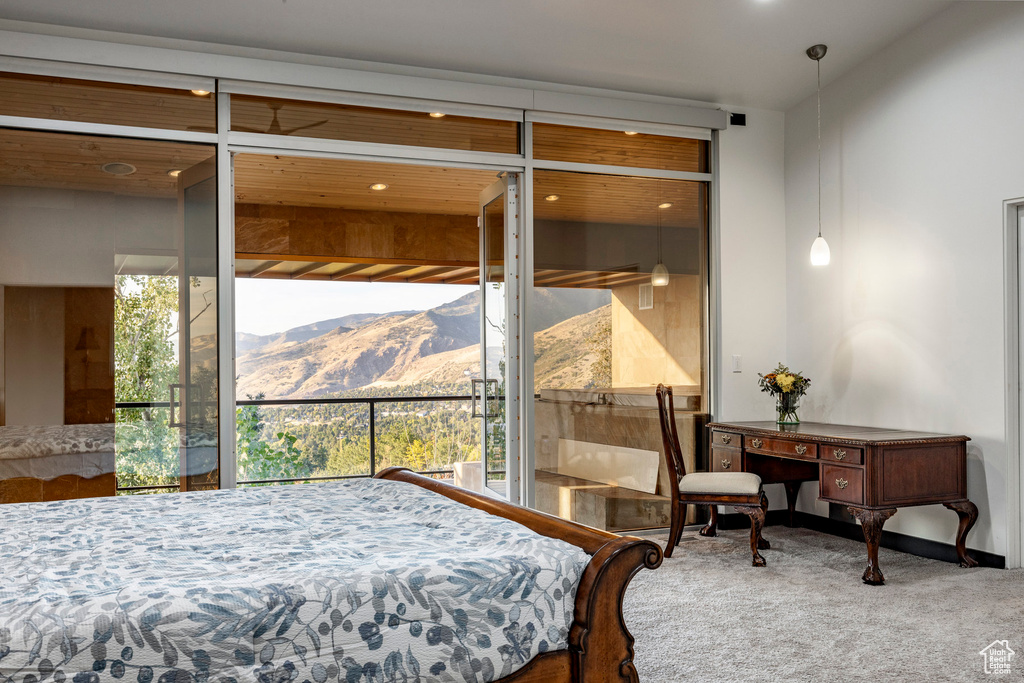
x=437, y=114
x=118, y=168
x=379, y=186
x=174, y=172
x=200, y=93
x=631, y=132
x=551, y=198
x=664, y=205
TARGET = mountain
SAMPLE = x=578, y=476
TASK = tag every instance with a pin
x=439, y=346
x=245, y=341
x=575, y=353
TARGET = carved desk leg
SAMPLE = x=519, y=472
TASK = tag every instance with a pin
x=872, y=522
x=792, y=489
x=968, y=514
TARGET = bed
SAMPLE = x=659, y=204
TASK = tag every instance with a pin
x=56, y=462
x=398, y=578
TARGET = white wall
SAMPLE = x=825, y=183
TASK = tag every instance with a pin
x=752, y=261
x=752, y=241
x=921, y=144
x=64, y=238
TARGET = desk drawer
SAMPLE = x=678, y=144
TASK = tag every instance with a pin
x=730, y=439
x=842, y=454
x=726, y=459
x=783, y=447
x=843, y=484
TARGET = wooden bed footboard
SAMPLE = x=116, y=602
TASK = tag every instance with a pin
x=65, y=487
x=600, y=645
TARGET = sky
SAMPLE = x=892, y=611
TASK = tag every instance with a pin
x=268, y=306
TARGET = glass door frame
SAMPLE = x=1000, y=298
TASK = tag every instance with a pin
x=191, y=405
x=243, y=143
x=711, y=298
x=504, y=190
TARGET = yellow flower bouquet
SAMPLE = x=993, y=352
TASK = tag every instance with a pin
x=787, y=387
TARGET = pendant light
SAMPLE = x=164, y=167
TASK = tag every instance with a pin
x=659, y=275
x=820, y=255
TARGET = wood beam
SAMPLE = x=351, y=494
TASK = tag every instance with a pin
x=392, y=272
x=470, y=279
x=306, y=270
x=428, y=274
x=639, y=279
x=352, y=270
x=610, y=279
x=262, y=268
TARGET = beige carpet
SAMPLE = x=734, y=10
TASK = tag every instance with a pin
x=707, y=615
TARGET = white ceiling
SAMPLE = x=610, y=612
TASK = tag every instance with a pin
x=738, y=52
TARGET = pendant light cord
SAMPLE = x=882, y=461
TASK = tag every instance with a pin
x=659, y=220
x=818, y=62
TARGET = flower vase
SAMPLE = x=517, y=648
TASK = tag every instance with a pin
x=787, y=405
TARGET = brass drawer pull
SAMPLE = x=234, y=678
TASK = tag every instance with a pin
x=801, y=449
x=756, y=443
x=726, y=438
x=726, y=464
x=840, y=455
x=842, y=483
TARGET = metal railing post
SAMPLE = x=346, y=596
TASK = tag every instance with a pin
x=371, y=402
x=373, y=438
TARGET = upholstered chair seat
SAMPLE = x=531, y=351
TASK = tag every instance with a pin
x=723, y=483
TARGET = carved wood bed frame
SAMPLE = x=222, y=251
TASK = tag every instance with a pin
x=600, y=646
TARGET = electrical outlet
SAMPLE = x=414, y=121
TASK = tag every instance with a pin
x=737, y=363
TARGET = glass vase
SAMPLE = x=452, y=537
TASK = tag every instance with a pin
x=787, y=405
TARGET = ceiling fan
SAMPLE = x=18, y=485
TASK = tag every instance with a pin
x=275, y=125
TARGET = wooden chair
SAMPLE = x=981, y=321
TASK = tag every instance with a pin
x=742, y=490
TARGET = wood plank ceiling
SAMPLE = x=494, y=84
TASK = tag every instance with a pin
x=74, y=162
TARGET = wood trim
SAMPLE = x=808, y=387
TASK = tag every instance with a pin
x=367, y=260
x=65, y=487
x=600, y=645
x=818, y=438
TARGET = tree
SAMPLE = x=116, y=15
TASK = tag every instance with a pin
x=145, y=364
x=145, y=317
x=257, y=457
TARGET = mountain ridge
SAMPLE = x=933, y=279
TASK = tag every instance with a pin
x=439, y=345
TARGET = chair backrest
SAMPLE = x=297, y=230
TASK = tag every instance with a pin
x=670, y=437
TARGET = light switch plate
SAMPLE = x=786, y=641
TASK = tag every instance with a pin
x=737, y=363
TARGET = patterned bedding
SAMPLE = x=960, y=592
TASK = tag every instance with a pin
x=361, y=581
x=50, y=451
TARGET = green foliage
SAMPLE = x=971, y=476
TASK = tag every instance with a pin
x=145, y=362
x=258, y=456
x=146, y=449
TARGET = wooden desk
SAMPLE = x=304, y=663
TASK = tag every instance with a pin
x=871, y=471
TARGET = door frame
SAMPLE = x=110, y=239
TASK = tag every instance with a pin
x=190, y=177
x=1013, y=225
x=519, y=481
x=506, y=189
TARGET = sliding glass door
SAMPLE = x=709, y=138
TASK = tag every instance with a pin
x=194, y=397
x=494, y=396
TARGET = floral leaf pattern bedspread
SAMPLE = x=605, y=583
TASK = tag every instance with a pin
x=361, y=581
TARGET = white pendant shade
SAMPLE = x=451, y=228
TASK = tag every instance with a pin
x=659, y=276
x=820, y=254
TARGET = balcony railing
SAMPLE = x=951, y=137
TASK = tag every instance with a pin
x=371, y=402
